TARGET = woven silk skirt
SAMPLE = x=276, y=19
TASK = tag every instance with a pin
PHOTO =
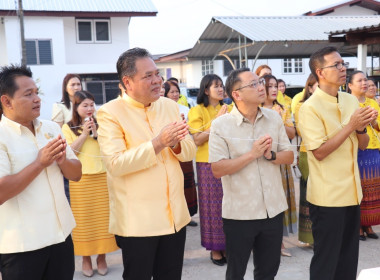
x=90, y=206
x=210, y=208
x=290, y=215
x=304, y=223
x=369, y=166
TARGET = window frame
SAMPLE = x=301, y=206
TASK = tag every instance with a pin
x=291, y=65
x=93, y=31
x=38, y=62
x=207, y=67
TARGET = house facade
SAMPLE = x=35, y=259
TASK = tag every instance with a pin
x=84, y=37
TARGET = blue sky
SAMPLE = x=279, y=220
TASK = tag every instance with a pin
x=179, y=23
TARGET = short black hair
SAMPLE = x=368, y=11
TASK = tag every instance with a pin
x=233, y=79
x=317, y=59
x=167, y=86
x=126, y=64
x=206, y=83
x=173, y=79
x=8, y=74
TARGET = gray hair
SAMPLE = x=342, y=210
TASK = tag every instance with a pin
x=126, y=64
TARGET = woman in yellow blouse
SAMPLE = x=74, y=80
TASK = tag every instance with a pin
x=372, y=91
x=89, y=196
x=290, y=215
x=368, y=160
x=287, y=100
x=304, y=223
x=210, y=193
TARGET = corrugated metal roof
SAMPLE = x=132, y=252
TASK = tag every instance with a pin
x=82, y=5
x=292, y=28
x=354, y=29
x=303, y=35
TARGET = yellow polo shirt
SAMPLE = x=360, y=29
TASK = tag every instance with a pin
x=145, y=188
x=200, y=118
x=335, y=180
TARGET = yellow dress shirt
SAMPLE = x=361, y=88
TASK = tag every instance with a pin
x=296, y=119
x=89, y=155
x=40, y=215
x=183, y=100
x=296, y=99
x=374, y=142
x=146, y=190
x=335, y=180
x=255, y=191
x=200, y=118
x=61, y=113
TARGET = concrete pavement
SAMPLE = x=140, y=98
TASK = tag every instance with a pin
x=197, y=263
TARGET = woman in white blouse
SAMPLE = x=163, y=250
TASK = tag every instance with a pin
x=63, y=111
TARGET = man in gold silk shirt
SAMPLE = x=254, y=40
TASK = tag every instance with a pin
x=333, y=128
x=142, y=138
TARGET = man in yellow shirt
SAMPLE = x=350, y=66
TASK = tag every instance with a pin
x=35, y=217
x=142, y=137
x=333, y=128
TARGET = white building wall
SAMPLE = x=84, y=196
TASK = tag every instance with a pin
x=68, y=56
x=3, y=45
x=96, y=53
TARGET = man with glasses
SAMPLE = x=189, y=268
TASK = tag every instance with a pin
x=333, y=128
x=246, y=148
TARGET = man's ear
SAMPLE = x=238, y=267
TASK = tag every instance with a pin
x=127, y=83
x=236, y=95
x=5, y=101
x=320, y=74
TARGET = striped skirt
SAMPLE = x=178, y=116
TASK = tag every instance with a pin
x=369, y=166
x=190, y=189
x=210, y=208
x=290, y=215
x=90, y=206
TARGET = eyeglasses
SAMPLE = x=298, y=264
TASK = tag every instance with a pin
x=338, y=65
x=252, y=84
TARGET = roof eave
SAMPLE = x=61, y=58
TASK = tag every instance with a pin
x=78, y=14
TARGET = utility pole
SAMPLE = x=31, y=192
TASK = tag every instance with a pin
x=22, y=32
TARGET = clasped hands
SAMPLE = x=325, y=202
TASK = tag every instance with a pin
x=55, y=150
x=262, y=147
x=171, y=135
x=362, y=117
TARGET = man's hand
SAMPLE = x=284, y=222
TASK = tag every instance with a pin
x=362, y=117
x=170, y=135
x=262, y=146
x=53, y=151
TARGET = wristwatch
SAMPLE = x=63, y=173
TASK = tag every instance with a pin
x=361, y=132
x=273, y=157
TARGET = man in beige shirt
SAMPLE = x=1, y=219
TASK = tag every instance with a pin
x=35, y=217
x=142, y=139
x=246, y=148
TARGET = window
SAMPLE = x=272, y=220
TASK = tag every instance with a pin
x=292, y=66
x=227, y=67
x=93, y=31
x=104, y=87
x=38, y=52
x=207, y=67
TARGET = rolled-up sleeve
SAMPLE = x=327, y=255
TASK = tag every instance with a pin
x=217, y=145
x=120, y=160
